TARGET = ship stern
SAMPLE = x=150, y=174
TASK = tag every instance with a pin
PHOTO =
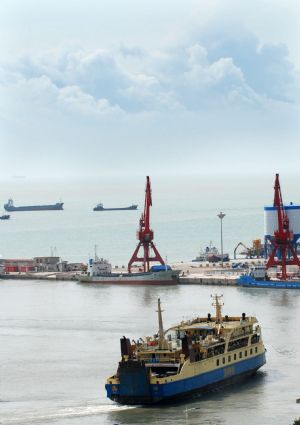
x=131, y=386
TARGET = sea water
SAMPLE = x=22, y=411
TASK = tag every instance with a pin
x=183, y=217
x=59, y=341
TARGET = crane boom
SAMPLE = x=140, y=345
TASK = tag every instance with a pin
x=145, y=236
x=282, y=240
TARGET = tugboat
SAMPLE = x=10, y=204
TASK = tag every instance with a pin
x=5, y=217
x=100, y=207
x=191, y=357
x=257, y=277
x=9, y=206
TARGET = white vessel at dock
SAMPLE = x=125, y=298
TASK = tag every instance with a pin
x=100, y=271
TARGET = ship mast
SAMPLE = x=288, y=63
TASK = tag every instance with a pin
x=161, y=333
x=218, y=306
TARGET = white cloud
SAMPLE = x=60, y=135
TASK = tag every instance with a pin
x=215, y=84
x=186, y=77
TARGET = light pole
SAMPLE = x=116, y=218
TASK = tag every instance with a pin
x=221, y=215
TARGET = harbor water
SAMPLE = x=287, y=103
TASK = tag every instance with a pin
x=59, y=341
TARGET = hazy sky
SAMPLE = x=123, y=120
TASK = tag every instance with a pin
x=135, y=87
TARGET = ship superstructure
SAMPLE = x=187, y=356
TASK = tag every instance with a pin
x=191, y=357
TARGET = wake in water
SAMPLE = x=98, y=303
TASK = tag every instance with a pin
x=68, y=413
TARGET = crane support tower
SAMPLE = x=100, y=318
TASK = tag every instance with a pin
x=145, y=236
x=282, y=242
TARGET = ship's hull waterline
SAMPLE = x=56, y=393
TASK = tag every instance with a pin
x=247, y=281
x=55, y=207
x=195, y=385
x=168, y=277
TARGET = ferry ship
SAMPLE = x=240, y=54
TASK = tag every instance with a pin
x=9, y=206
x=193, y=356
x=100, y=271
x=100, y=207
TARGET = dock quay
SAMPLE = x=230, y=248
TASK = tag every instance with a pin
x=191, y=274
x=214, y=279
x=39, y=276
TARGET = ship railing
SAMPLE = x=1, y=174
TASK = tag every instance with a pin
x=160, y=360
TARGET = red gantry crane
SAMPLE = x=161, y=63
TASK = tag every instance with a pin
x=145, y=236
x=283, y=237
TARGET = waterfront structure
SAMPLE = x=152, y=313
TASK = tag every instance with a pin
x=17, y=265
x=282, y=241
x=191, y=357
x=47, y=263
x=271, y=224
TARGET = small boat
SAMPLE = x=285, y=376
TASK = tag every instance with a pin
x=211, y=254
x=9, y=206
x=257, y=277
x=100, y=207
x=5, y=217
x=100, y=272
x=191, y=357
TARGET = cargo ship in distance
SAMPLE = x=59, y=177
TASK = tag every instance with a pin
x=9, y=206
x=191, y=357
x=100, y=207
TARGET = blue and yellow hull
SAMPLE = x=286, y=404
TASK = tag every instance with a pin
x=136, y=387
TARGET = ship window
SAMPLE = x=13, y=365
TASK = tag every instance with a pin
x=251, y=351
x=223, y=360
x=239, y=343
x=240, y=354
x=254, y=339
x=218, y=362
x=234, y=356
x=246, y=354
x=256, y=349
x=229, y=358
